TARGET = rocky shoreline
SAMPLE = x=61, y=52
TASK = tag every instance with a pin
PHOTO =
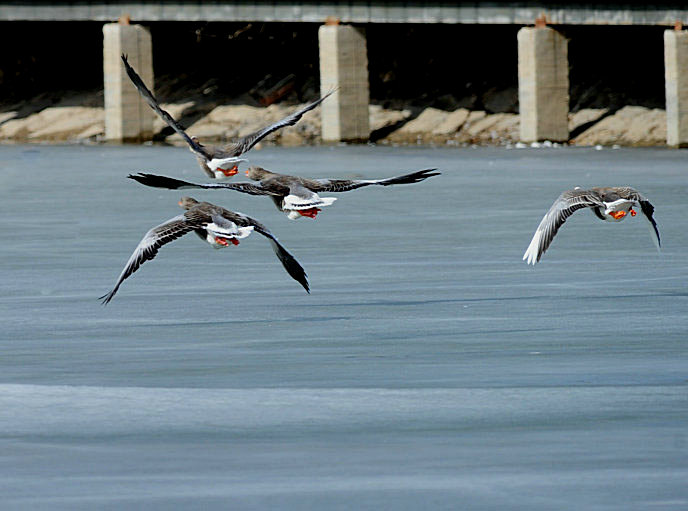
x=67, y=122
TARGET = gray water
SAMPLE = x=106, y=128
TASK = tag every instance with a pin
x=430, y=368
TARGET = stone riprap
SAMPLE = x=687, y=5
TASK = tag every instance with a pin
x=629, y=126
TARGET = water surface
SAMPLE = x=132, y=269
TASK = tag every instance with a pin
x=429, y=368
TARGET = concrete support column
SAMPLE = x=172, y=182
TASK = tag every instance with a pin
x=543, y=84
x=127, y=116
x=676, y=83
x=344, y=66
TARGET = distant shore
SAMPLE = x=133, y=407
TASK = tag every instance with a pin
x=67, y=122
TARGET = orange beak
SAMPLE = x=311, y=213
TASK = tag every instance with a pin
x=617, y=214
x=247, y=172
x=180, y=203
x=633, y=213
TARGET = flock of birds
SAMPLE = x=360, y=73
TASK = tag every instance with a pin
x=299, y=197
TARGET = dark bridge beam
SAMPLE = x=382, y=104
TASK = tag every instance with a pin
x=520, y=13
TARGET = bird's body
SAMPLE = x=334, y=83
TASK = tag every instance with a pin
x=217, y=162
x=296, y=196
x=215, y=225
x=611, y=204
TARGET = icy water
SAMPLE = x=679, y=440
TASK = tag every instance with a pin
x=430, y=368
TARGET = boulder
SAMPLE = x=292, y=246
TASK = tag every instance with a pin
x=56, y=124
x=585, y=116
x=6, y=116
x=452, y=122
x=227, y=122
x=380, y=118
x=630, y=126
x=494, y=129
x=93, y=132
x=425, y=122
x=419, y=130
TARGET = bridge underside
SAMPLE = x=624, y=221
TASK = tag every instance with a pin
x=519, y=13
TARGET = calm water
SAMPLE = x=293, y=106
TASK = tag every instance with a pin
x=430, y=368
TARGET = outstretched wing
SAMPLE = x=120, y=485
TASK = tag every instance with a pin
x=567, y=203
x=148, y=247
x=247, y=142
x=177, y=184
x=165, y=116
x=343, y=185
x=648, y=209
x=289, y=262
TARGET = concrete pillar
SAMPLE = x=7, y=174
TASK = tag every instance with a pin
x=543, y=84
x=344, y=66
x=676, y=83
x=127, y=116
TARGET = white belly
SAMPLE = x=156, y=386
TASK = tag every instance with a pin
x=213, y=232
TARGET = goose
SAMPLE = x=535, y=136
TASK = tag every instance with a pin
x=212, y=159
x=213, y=224
x=298, y=197
x=612, y=204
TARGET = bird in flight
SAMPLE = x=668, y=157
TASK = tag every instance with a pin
x=296, y=196
x=213, y=224
x=611, y=204
x=216, y=162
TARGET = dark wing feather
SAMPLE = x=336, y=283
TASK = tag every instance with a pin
x=626, y=192
x=247, y=142
x=165, y=116
x=567, y=203
x=289, y=262
x=343, y=185
x=148, y=247
x=177, y=184
x=648, y=210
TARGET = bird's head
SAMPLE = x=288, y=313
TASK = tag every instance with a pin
x=188, y=202
x=257, y=173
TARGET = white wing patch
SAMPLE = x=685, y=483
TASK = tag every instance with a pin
x=294, y=202
x=217, y=163
x=531, y=255
x=618, y=205
x=229, y=231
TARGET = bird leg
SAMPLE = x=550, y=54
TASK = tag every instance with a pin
x=223, y=241
x=633, y=213
x=310, y=212
x=616, y=215
x=229, y=172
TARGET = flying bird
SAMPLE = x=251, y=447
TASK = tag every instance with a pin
x=216, y=162
x=612, y=204
x=213, y=224
x=296, y=196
